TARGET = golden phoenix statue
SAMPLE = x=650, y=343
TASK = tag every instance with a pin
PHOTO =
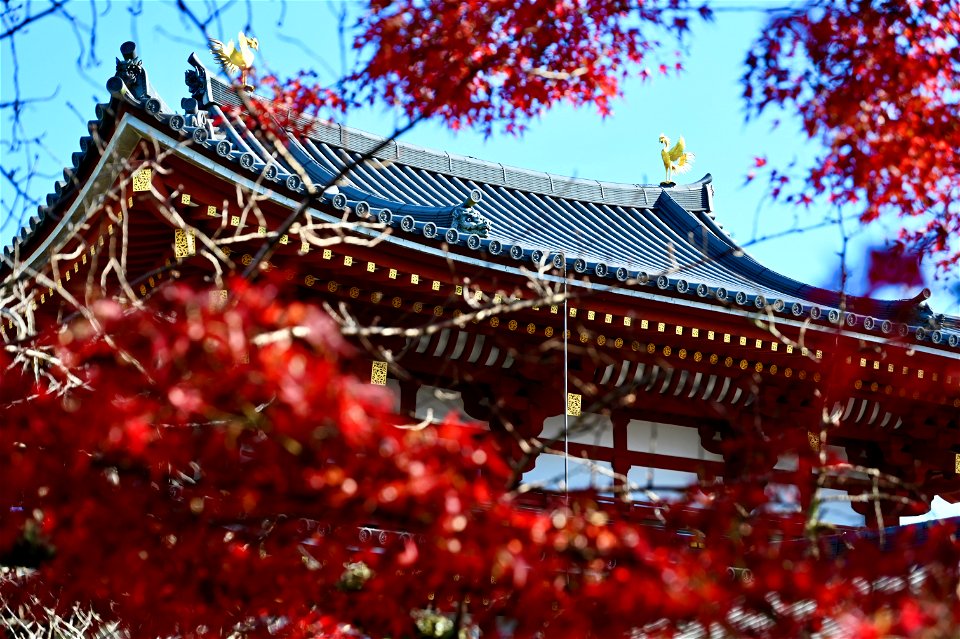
x=676, y=160
x=234, y=58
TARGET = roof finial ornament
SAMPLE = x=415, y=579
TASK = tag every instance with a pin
x=234, y=58
x=676, y=159
x=130, y=83
x=466, y=219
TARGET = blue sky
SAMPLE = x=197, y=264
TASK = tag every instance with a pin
x=702, y=103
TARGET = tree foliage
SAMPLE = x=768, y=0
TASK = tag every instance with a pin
x=188, y=468
x=500, y=63
x=876, y=82
x=212, y=469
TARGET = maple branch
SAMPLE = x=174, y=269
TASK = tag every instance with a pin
x=558, y=75
x=55, y=6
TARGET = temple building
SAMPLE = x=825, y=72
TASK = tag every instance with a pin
x=618, y=322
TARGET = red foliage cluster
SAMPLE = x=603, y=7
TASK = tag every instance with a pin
x=893, y=265
x=484, y=63
x=217, y=465
x=876, y=82
x=292, y=108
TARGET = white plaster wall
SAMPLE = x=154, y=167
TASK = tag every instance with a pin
x=840, y=513
x=589, y=428
x=435, y=404
x=642, y=436
x=548, y=474
x=394, y=386
x=667, y=484
x=667, y=439
x=785, y=498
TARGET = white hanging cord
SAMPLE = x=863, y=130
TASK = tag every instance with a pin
x=566, y=390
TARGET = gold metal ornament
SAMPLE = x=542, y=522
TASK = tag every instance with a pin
x=184, y=243
x=236, y=58
x=675, y=160
x=574, y=404
x=378, y=374
x=141, y=181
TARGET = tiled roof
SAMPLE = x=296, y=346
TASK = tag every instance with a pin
x=622, y=234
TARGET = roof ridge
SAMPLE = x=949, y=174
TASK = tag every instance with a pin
x=706, y=179
x=695, y=196
x=481, y=170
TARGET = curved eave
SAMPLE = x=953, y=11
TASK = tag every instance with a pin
x=663, y=289
x=83, y=162
x=639, y=241
x=645, y=229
